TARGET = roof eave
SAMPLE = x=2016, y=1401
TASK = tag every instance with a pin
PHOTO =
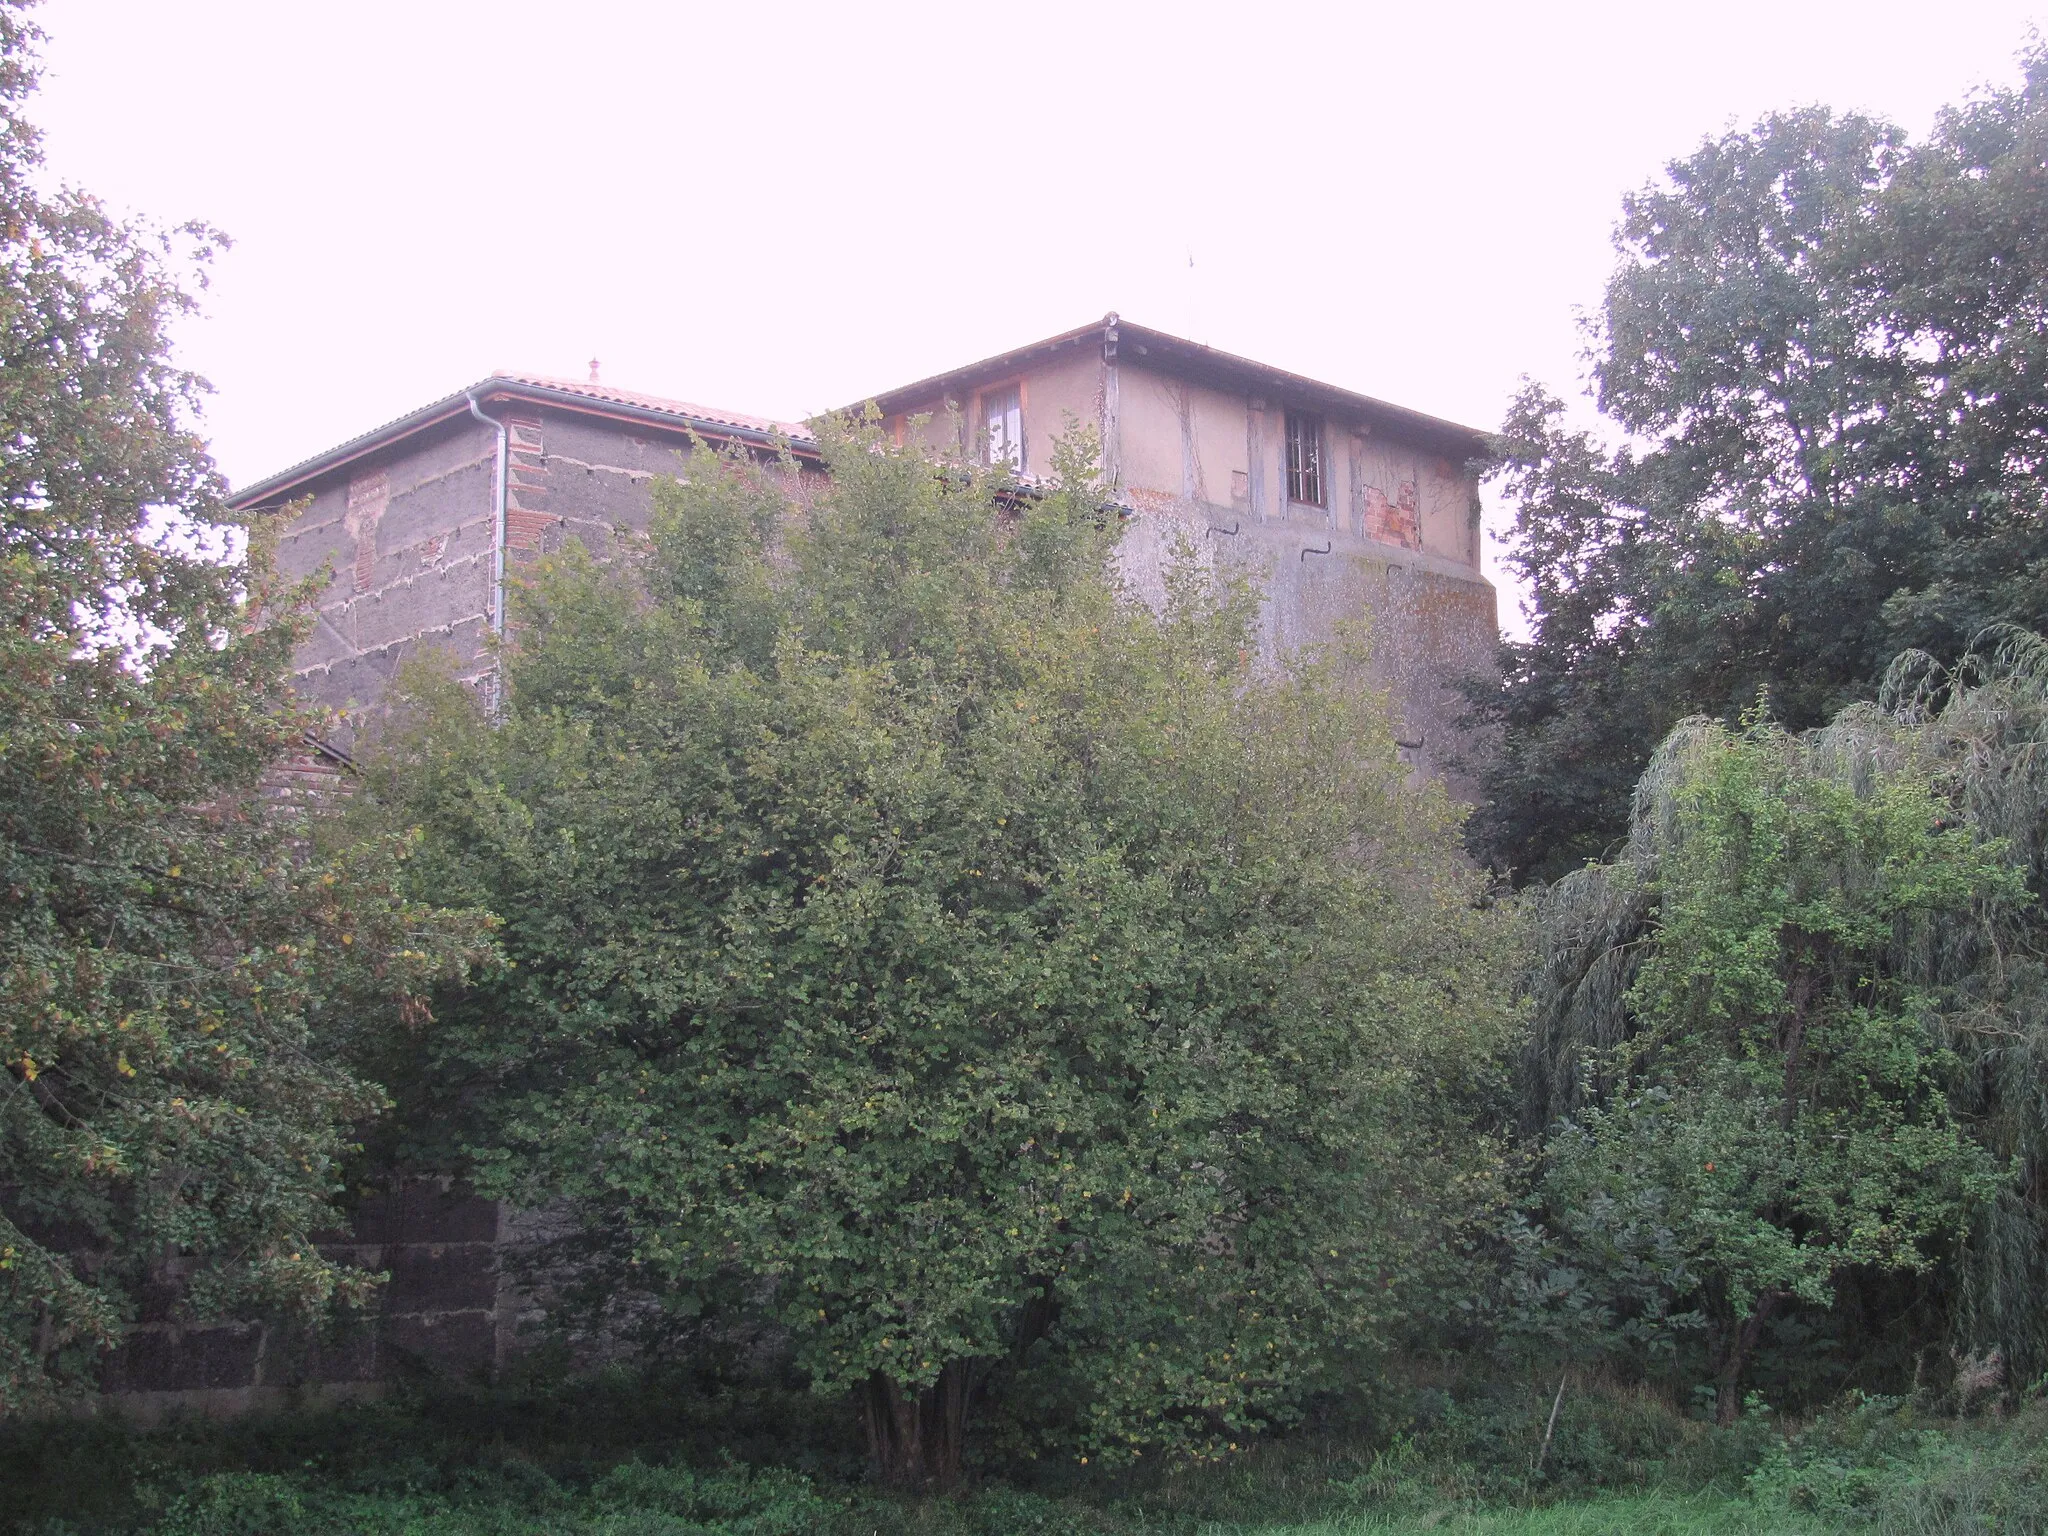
x=890, y=401
x=1470, y=442
x=1462, y=441
x=498, y=388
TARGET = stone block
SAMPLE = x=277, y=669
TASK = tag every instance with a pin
x=420, y=1211
x=449, y=1343
x=343, y=1351
x=348, y=1355
x=184, y=1359
x=457, y=1277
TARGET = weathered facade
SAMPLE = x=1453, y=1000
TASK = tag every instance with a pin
x=418, y=521
x=1349, y=510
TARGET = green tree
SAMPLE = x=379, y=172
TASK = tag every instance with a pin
x=1823, y=346
x=992, y=978
x=182, y=973
x=1779, y=1111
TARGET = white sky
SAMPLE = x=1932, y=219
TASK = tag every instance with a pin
x=782, y=209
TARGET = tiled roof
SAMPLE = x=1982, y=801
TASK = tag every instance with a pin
x=796, y=432
x=1192, y=358
x=540, y=389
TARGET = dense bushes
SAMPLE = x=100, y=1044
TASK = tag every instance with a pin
x=631, y=1455
x=1010, y=995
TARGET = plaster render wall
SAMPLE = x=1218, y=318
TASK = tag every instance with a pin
x=1182, y=439
x=1392, y=557
x=1066, y=385
x=1392, y=554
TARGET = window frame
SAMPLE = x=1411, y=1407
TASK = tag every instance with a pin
x=1310, y=476
x=983, y=398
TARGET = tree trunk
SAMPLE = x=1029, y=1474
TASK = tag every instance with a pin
x=1739, y=1345
x=916, y=1440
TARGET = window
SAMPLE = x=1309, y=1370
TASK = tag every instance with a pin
x=1304, y=459
x=1002, y=414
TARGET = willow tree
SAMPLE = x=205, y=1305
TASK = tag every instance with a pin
x=992, y=976
x=1795, y=1030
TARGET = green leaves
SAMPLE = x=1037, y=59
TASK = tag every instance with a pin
x=1781, y=1108
x=1822, y=344
x=186, y=972
x=920, y=942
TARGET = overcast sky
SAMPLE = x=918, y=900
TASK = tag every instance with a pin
x=784, y=208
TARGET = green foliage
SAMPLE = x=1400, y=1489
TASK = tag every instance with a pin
x=632, y=1499
x=182, y=974
x=646, y=1454
x=1778, y=1110
x=1823, y=345
x=1880, y=1464
x=1975, y=740
x=1001, y=983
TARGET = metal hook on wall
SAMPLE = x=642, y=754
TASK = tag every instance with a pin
x=1306, y=551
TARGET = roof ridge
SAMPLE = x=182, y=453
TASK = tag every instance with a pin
x=620, y=395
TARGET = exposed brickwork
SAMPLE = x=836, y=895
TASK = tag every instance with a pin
x=1393, y=522
x=368, y=497
x=528, y=522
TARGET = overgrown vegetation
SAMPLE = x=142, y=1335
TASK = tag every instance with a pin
x=1004, y=991
x=998, y=1059
x=1823, y=390
x=692, y=1457
x=184, y=978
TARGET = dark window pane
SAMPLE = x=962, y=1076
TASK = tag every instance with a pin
x=1304, y=459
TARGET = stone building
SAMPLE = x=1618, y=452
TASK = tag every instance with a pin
x=1347, y=508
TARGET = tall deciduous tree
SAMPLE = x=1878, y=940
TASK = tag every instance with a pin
x=991, y=976
x=182, y=975
x=1823, y=345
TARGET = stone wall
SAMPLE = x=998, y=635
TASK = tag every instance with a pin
x=448, y=1311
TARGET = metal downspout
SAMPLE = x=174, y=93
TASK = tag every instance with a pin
x=497, y=541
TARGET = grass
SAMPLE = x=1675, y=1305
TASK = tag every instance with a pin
x=653, y=1457
x=1697, y=1514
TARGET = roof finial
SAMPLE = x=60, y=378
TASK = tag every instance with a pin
x=593, y=370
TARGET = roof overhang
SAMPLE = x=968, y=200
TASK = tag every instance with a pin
x=615, y=405
x=1205, y=364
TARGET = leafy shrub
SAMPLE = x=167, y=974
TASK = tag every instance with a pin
x=1881, y=1465
x=732, y=1501
x=1485, y=1445
x=235, y=1504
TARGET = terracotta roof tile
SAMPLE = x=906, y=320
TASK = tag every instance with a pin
x=796, y=432
x=540, y=388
